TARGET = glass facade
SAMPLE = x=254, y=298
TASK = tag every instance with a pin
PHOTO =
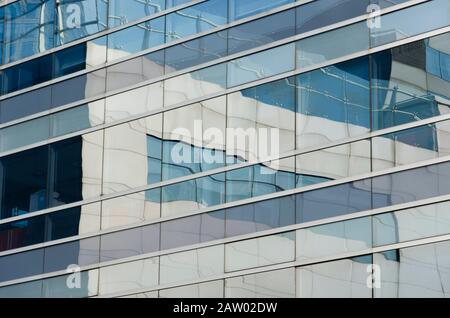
x=224, y=148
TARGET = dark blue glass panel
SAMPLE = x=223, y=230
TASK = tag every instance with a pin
x=27, y=74
x=262, y=31
x=62, y=224
x=70, y=60
x=22, y=233
x=21, y=265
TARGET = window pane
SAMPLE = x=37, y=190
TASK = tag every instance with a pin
x=411, y=224
x=196, y=52
x=132, y=242
x=240, y=9
x=134, y=71
x=21, y=265
x=411, y=21
x=333, y=44
x=28, y=28
x=22, y=233
x=123, y=13
x=27, y=74
x=130, y=209
x=24, y=182
x=333, y=103
x=262, y=31
x=262, y=251
x=261, y=65
x=318, y=14
x=31, y=289
x=130, y=165
x=274, y=284
x=129, y=276
x=82, y=253
x=136, y=38
x=25, y=133
x=191, y=265
x=194, y=138
x=340, y=279
x=145, y=99
x=192, y=195
x=26, y=104
x=260, y=216
x=334, y=239
x=333, y=163
x=57, y=287
x=265, y=114
x=212, y=289
x=196, y=84
x=78, y=19
x=196, y=19
x=420, y=271
x=70, y=60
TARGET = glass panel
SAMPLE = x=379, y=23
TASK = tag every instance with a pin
x=262, y=251
x=28, y=28
x=411, y=21
x=26, y=104
x=409, y=81
x=411, y=185
x=261, y=121
x=21, y=265
x=410, y=145
x=27, y=74
x=191, y=265
x=193, y=195
x=212, y=289
x=274, y=284
x=194, y=138
x=260, y=179
x=81, y=253
x=333, y=44
x=260, y=216
x=78, y=88
x=261, y=65
x=240, y=9
x=59, y=287
x=96, y=52
x=134, y=71
x=263, y=31
x=318, y=14
x=129, y=276
x=135, y=241
x=196, y=19
x=340, y=279
x=136, y=38
x=24, y=182
x=334, y=201
x=411, y=224
x=31, y=289
x=333, y=103
x=80, y=18
x=130, y=209
x=333, y=163
x=26, y=133
x=420, y=271
x=142, y=156
x=78, y=118
x=123, y=13
x=196, y=84
x=192, y=230
x=70, y=60
x=334, y=239
x=196, y=52
x=22, y=233
x=134, y=102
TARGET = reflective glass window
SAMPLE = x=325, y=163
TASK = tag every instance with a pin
x=25, y=133
x=273, y=284
x=136, y=38
x=20, y=265
x=261, y=65
x=191, y=265
x=80, y=18
x=240, y=9
x=123, y=13
x=261, y=251
x=262, y=31
x=70, y=60
x=28, y=28
x=31, y=289
x=57, y=287
x=196, y=19
x=22, y=233
x=212, y=289
x=339, y=279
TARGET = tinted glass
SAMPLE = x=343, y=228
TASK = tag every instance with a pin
x=70, y=60
x=123, y=13
x=22, y=233
x=240, y=9
x=21, y=265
